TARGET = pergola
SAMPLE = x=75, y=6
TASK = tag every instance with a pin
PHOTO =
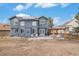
x=58, y=31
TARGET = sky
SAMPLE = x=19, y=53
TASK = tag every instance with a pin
x=59, y=12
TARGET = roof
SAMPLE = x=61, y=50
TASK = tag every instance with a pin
x=26, y=17
x=57, y=28
x=4, y=27
x=68, y=22
x=12, y=17
x=43, y=17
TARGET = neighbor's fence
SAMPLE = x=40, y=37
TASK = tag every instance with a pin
x=14, y=38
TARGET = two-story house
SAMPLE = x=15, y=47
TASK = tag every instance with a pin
x=27, y=26
x=70, y=25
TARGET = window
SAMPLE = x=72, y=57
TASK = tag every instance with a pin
x=34, y=30
x=22, y=30
x=15, y=21
x=42, y=21
x=16, y=30
x=22, y=23
x=42, y=31
x=34, y=23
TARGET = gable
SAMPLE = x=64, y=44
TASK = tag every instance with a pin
x=71, y=23
x=12, y=17
x=43, y=17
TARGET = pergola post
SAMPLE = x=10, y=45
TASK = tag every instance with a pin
x=65, y=34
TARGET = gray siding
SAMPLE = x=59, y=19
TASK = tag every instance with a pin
x=28, y=29
x=45, y=25
x=12, y=23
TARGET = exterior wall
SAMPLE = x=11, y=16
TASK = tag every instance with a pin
x=28, y=29
x=72, y=24
x=14, y=27
x=14, y=32
x=43, y=27
x=12, y=23
x=45, y=21
x=23, y=29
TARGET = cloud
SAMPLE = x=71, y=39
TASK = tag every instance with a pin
x=23, y=7
x=45, y=5
x=48, y=5
x=22, y=14
x=64, y=4
x=56, y=20
x=28, y=5
x=19, y=7
x=41, y=5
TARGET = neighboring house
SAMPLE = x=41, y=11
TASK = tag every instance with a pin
x=27, y=26
x=70, y=25
x=4, y=30
x=66, y=28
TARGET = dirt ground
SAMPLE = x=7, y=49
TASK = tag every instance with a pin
x=9, y=47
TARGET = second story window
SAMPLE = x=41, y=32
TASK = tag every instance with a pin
x=22, y=23
x=34, y=23
x=42, y=22
x=15, y=21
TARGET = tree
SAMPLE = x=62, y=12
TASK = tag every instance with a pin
x=77, y=18
x=76, y=29
x=50, y=22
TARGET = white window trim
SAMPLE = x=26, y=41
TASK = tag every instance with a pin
x=42, y=31
x=22, y=23
x=15, y=21
x=34, y=23
x=42, y=21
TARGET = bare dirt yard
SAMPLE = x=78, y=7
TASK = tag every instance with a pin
x=13, y=47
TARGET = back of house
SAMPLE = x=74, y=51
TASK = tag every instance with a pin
x=29, y=26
